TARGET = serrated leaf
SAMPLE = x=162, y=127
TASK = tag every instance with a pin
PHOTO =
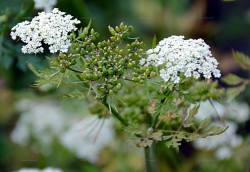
x=232, y=79
x=194, y=110
x=189, y=118
x=6, y=61
x=174, y=141
x=204, y=123
x=156, y=136
x=214, y=130
x=242, y=59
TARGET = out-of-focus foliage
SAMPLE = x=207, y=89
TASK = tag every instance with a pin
x=237, y=84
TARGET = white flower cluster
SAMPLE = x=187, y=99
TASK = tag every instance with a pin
x=223, y=144
x=175, y=56
x=51, y=28
x=46, y=5
x=47, y=121
x=48, y=169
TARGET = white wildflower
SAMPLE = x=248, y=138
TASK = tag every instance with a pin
x=48, y=169
x=51, y=28
x=46, y=5
x=175, y=56
x=86, y=140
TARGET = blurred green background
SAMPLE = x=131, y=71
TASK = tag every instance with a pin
x=224, y=25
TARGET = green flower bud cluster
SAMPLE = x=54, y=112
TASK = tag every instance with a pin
x=65, y=61
x=142, y=73
x=120, y=32
x=107, y=63
x=134, y=104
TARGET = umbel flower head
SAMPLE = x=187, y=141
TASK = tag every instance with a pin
x=51, y=28
x=175, y=56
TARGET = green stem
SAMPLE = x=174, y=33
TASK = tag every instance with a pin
x=151, y=158
x=114, y=112
x=155, y=120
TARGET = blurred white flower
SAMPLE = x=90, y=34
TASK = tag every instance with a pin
x=42, y=121
x=46, y=121
x=51, y=28
x=46, y=5
x=223, y=153
x=48, y=169
x=87, y=137
x=236, y=111
x=177, y=56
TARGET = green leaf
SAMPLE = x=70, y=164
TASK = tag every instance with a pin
x=192, y=137
x=234, y=92
x=174, y=141
x=232, y=79
x=33, y=69
x=76, y=94
x=89, y=24
x=204, y=123
x=156, y=136
x=214, y=130
x=188, y=97
x=167, y=137
x=46, y=76
x=189, y=118
x=242, y=59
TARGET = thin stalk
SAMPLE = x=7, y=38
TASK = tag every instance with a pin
x=151, y=158
x=114, y=112
x=74, y=70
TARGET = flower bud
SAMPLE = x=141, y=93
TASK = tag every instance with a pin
x=117, y=29
x=85, y=30
x=111, y=92
x=112, y=30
